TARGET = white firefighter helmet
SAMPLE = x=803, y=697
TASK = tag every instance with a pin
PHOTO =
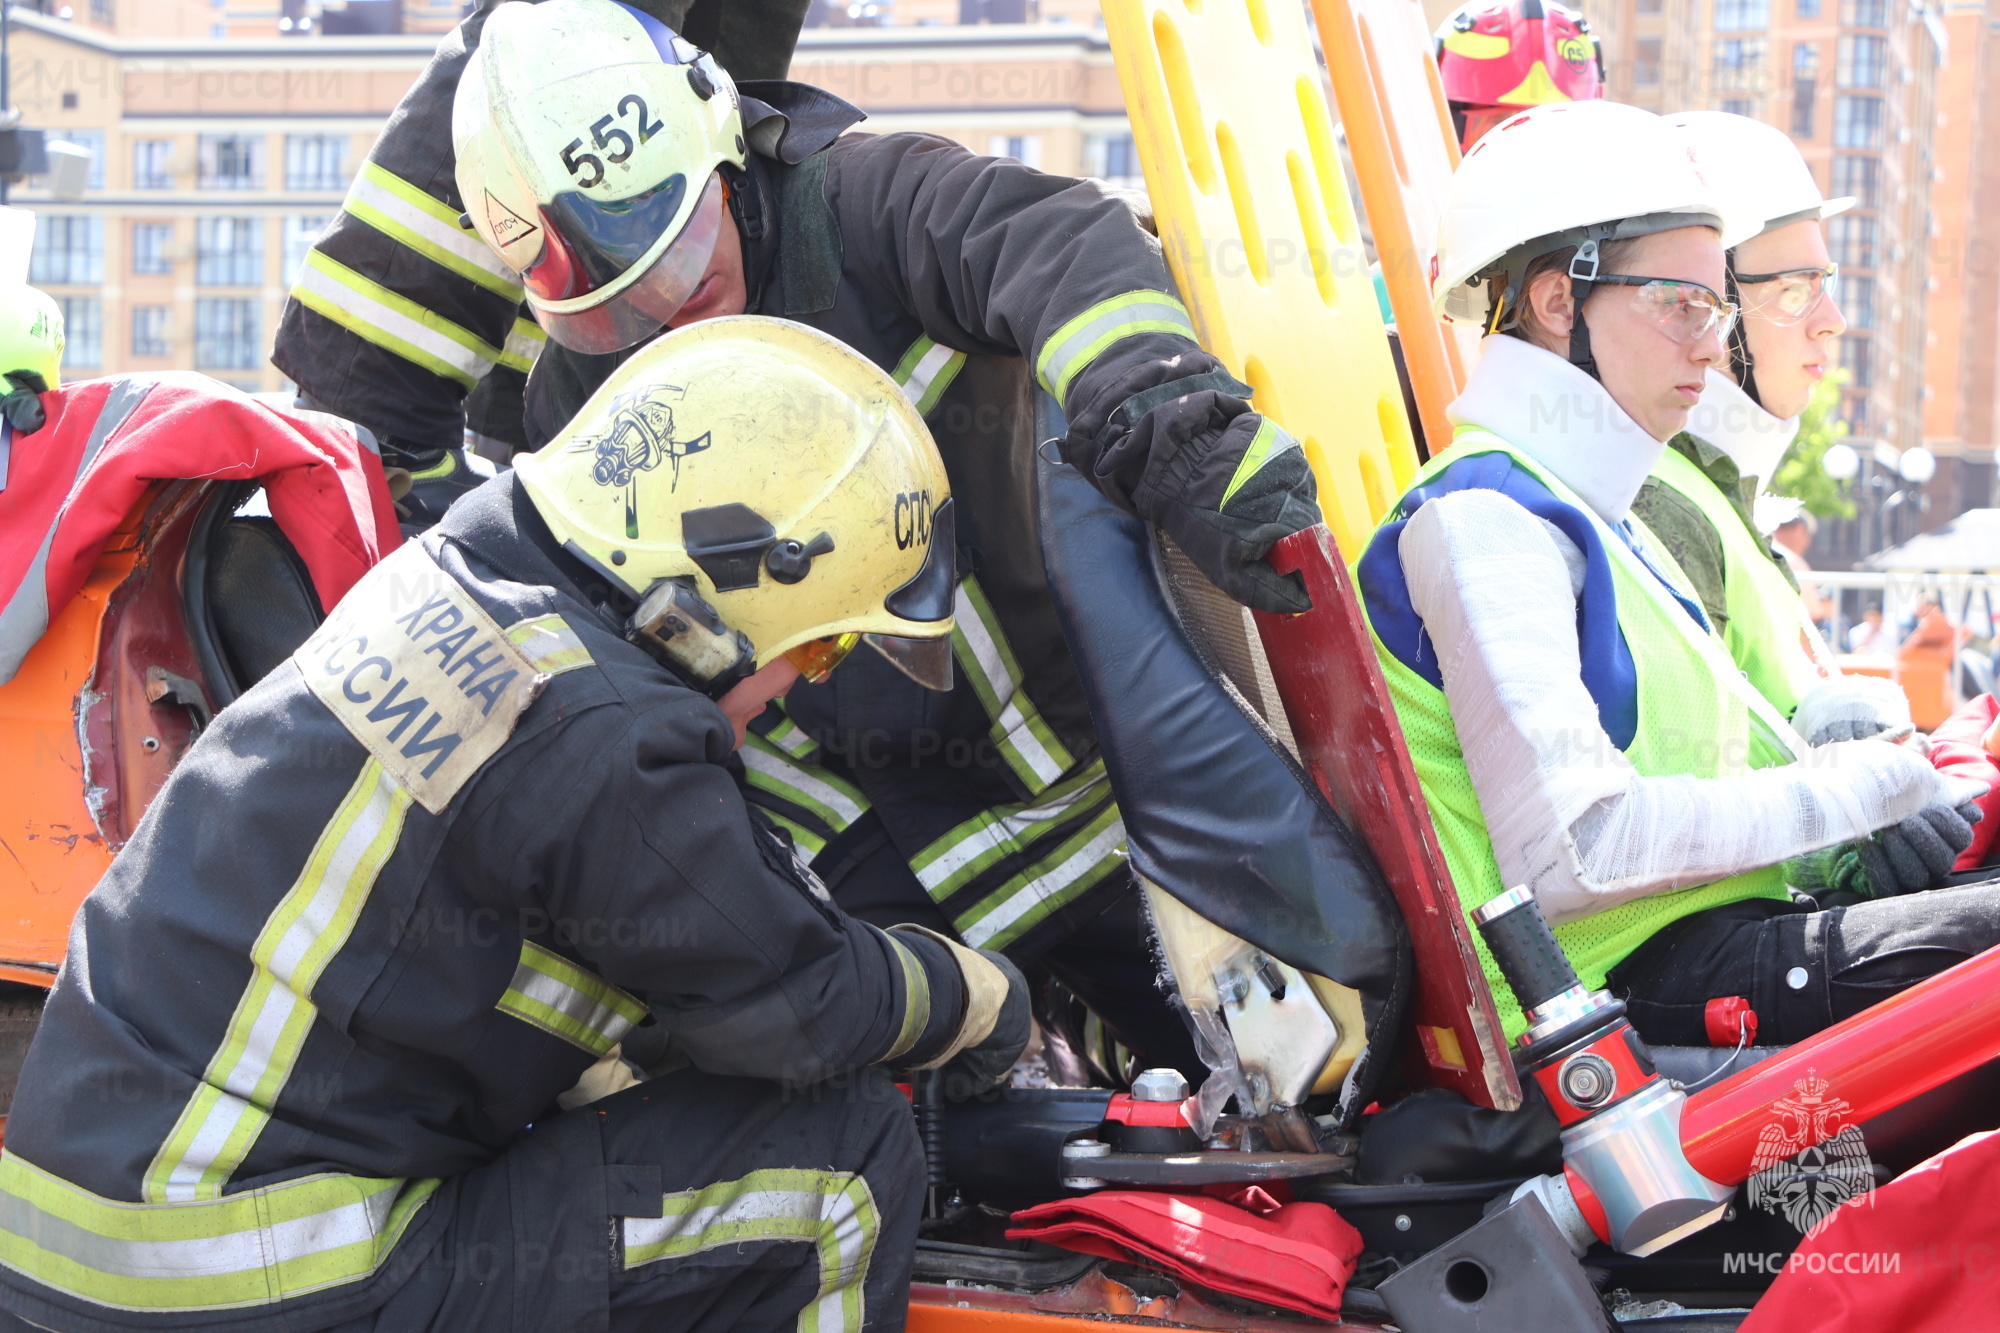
x=589, y=136
x=775, y=474
x=1757, y=166
x=1558, y=176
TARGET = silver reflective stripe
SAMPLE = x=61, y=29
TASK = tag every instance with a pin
x=833, y=1212
x=926, y=371
x=25, y=618
x=950, y=861
x=1087, y=336
x=406, y=214
x=773, y=771
x=554, y=994
x=1025, y=740
x=525, y=342
x=1010, y=911
x=393, y=322
x=232, y=1103
x=549, y=644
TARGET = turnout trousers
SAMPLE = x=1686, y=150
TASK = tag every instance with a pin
x=687, y=1204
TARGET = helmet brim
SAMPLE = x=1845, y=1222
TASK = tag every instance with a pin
x=926, y=661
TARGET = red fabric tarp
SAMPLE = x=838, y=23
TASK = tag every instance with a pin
x=325, y=487
x=1297, y=1256
x=1919, y=1255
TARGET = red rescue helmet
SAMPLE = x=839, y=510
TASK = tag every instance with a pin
x=1499, y=56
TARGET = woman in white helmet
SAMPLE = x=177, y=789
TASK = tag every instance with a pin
x=1698, y=500
x=1576, y=726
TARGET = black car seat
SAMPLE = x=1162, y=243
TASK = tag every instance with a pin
x=248, y=596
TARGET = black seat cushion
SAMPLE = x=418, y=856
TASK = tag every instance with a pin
x=260, y=597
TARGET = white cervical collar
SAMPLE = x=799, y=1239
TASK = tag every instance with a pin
x=1563, y=419
x=1729, y=419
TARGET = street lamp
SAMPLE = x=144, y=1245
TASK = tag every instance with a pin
x=1841, y=462
x=1917, y=465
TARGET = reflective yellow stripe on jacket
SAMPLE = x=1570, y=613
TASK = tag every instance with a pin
x=552, y=993
x=1087, y=336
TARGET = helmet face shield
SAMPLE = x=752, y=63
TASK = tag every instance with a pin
x=587, y=238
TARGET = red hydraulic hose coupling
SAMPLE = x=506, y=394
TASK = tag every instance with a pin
x=1874, y=1061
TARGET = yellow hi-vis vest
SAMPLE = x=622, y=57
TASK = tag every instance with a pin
x=1697, y=717
x=1768, y=634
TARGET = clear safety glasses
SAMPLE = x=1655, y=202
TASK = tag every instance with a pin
x=592, y=244
x=1794, y=293
x=1687, y=312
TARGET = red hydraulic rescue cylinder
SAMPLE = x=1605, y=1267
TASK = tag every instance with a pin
x=1875, y=1061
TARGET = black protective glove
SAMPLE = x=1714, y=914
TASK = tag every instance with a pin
x=22, y=404
x=1918, y=853
x=974, y=1070
x=1176, y=443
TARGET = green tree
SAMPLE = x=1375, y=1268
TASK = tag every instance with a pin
x=1799, y=473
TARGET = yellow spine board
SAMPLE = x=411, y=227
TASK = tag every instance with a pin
x=1231, y=122
x=1392, y=106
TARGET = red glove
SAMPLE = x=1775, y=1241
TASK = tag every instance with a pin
x=1958, y=749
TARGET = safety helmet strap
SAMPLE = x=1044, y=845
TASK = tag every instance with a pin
x=750, y=207
x=1740, y=359
x=1583, y=270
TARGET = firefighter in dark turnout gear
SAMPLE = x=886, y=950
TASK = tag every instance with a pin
x=484, y=827
x=973, y=281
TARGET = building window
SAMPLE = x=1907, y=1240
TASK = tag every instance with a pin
x=149, y=331
x=315, y=161
x=1738, y=64
x=150, y=242
x=68, y=251
x=1651, y=6
x=1023, y=148
x=1646, y=62
x=1808, y=9
x=1740, y=106
x=229, y=252
x=1857, y=359
x=103, y=11
x=1860, y=177
x=231, y=162
x=152, y=165
x=1864, y=13
x=1857, y=122
x=83, y=331
x=1852, y=240
x=300, y=233
x=1742, y=15
x=225, y=333
x=1857, y=301
x=1114, y=159
x=1805, y=88
x=1863, y=61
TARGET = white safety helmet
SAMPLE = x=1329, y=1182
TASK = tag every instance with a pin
x=589, y=137
x=1568, y=174
x=1755, y=165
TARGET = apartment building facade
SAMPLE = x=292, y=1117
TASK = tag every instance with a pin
x=216, y=166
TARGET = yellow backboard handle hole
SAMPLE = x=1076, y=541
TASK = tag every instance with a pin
x=1260, y=20
x=1326, y=160
x=1262, y=396
x=1311, y=222
x=1187, y=108
x=1246, y=208
x=1402, y=444
x=1193, y=6
x=1371, y=483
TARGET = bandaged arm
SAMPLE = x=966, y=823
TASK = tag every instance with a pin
x=1567, y=813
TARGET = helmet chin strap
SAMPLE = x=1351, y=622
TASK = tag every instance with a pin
x=1740, y=360
x=1582, y=277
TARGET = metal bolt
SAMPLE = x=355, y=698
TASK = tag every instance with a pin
x=1402, y=1221
x=1076, y=1155
x=1232, y=986
x=150, y=744
x=1160, y=1085
x=1588, y=1079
